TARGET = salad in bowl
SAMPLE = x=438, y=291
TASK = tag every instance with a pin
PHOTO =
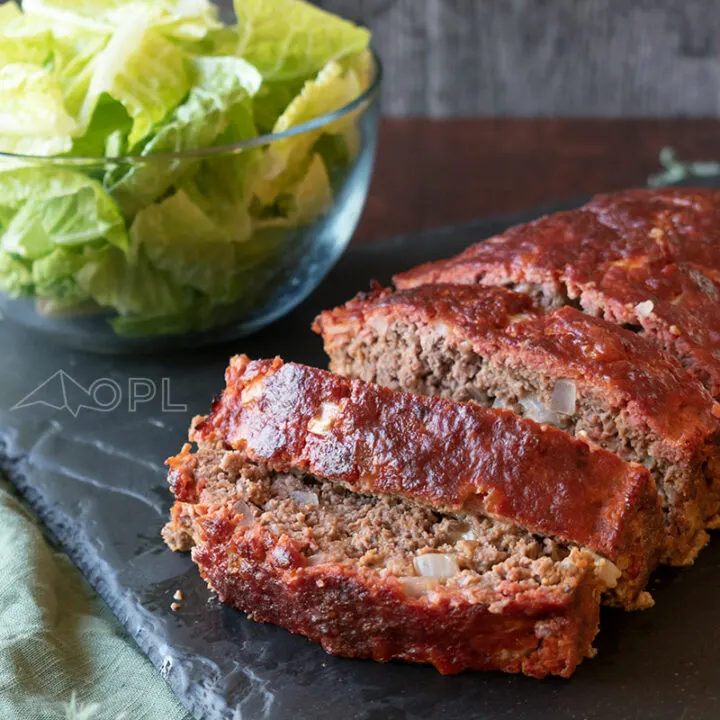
x=166, y=178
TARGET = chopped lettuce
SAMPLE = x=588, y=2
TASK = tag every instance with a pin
x=217, y=105
x=174, y=239
x=23, y=39
x=42, y=208
x=178, y=19
x=287, y=159
x=290, y=39
x=33, y=120
x=143, y=70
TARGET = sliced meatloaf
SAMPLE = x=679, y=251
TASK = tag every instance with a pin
x=648, y=259
x=380, y=577
x=576, y=372
x=454, y=458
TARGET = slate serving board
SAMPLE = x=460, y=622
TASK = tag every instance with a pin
x=96, y=478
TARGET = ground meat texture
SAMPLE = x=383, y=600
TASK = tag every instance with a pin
x=346, y=570
x=647, y=259
x=580, y=373
x=456, y=458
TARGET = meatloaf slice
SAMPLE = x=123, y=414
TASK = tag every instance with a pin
x=577, y=372
x=381, y=578
x=450, y=457
x=648, y=259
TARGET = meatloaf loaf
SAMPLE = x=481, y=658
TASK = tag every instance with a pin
x=454, y=458
x=648, y=259
x=577, y=372
x=377, y=577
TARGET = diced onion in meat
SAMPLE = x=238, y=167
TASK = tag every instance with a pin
x=606, y=571
x=564, y=397
x=441, y=329
x=252, y=391
x=321, y=425
x=337, y=328
x=378, y=323
x=320, y=558
x=643, y=309
x=537, y=411
x=499, y=403
x=246, y=510
x=436, y=565
x=417, y=586
x=302, y=497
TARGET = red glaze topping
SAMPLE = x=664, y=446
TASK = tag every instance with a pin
x=615, y=253
x=462, y=306
x=450, y=456
x=626, y=368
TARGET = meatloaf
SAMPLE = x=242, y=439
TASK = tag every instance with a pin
x=380, y=577
x=450, y=457
x=647, y=259
x=577, y=372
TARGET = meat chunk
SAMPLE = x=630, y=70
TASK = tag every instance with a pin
x=379, y=577
x=455, y=458
x=562, y=367
x=649, y=259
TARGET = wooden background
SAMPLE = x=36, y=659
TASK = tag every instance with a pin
x=599, y=58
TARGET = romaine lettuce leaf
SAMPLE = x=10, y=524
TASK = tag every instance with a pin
x=23, y=38
x=180, y=19
x=291, y=39
x=45, y=207
x=131, y=285
x=33, y=119
x=287, y=159
x=141, y=69
x=180, y=239
x=15, y=275
x=215, y=112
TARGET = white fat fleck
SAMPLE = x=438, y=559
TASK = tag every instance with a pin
x=441, y=329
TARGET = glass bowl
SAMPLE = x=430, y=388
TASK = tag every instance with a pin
x=278, y=269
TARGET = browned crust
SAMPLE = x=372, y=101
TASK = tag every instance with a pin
x=359, y=613
x=452, y=457
x=615, y=253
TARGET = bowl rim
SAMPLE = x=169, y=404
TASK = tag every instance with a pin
x=212, y=151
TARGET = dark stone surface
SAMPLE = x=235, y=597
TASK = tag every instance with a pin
x=98, y=482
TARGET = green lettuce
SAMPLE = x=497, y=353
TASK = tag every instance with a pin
x=177, y=19
x=291, y=39
x=33, y=119
x=176, y=239
x=141, y=69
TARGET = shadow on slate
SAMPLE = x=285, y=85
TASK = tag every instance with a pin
x=97, y=481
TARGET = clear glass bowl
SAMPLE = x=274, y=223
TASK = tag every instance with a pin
x=297, y=259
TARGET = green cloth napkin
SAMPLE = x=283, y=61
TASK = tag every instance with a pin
x=62, y=652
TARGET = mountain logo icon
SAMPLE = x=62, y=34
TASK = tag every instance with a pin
x=62, y=392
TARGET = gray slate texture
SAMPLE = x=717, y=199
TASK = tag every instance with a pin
x=596, y=58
